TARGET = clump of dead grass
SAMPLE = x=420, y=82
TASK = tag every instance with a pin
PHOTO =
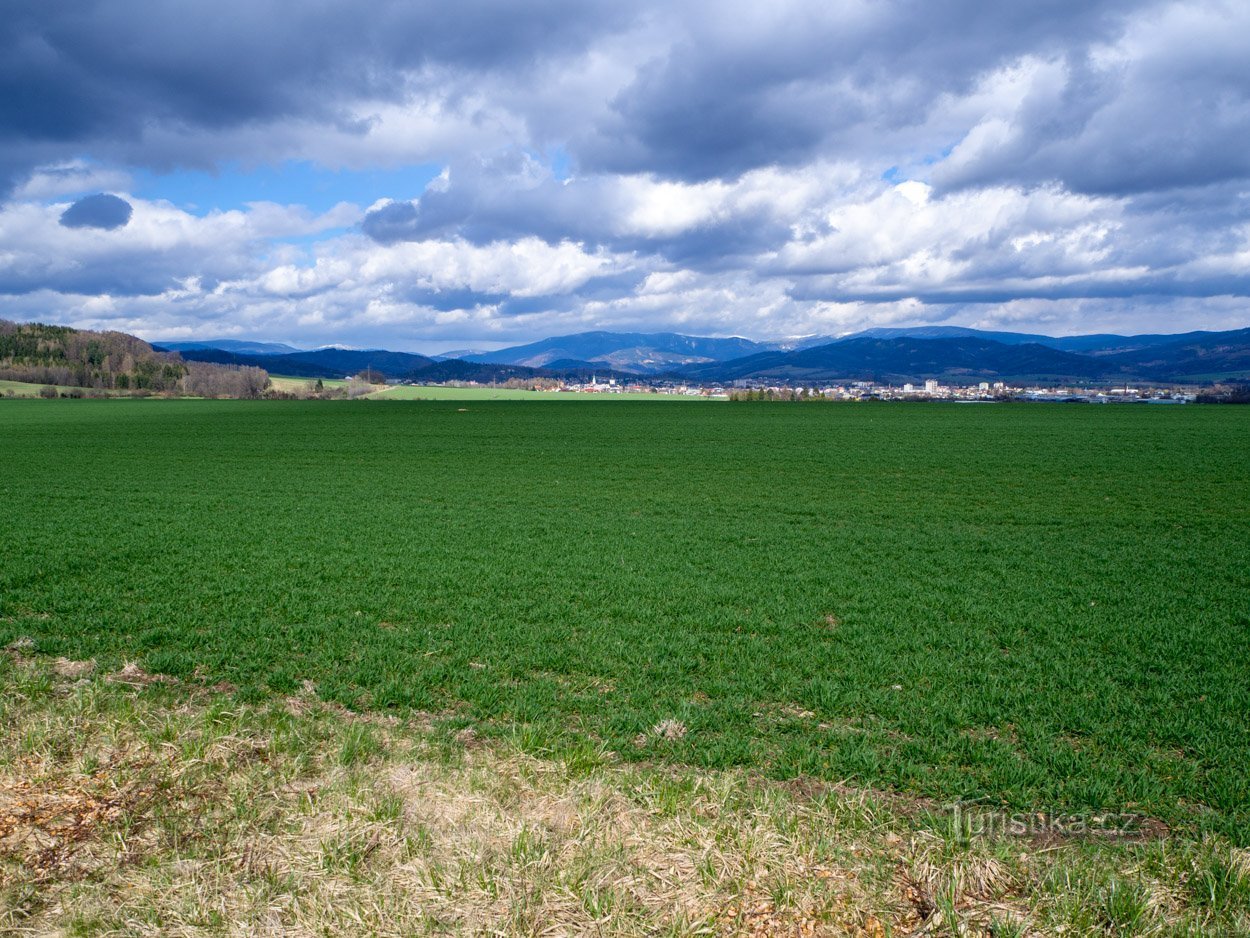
x=20, y=647
x=66, y=667
x=133, y=674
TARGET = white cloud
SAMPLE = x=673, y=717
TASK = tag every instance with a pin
x=741, y=168
x=72, y=177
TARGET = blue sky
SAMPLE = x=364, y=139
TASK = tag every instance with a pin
x=423, y=176
x=232, y=185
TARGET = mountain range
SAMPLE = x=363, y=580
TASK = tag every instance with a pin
x=951, y=353
x=643, y=353
x=231, y=345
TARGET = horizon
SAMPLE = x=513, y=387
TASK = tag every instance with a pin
x=445, y=352
x=410, y=178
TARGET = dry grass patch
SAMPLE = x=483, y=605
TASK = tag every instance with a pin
x=139, y=808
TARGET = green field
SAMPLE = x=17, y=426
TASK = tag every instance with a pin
x=20, y=388
x=26, y=389
x=282, y=383
x=413, y=392
x=1039, y=605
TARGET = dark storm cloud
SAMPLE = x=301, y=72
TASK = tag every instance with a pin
x=91, y=73
x=1176, y=115
x=723, y=90
x=98, y=211
x=779, y=89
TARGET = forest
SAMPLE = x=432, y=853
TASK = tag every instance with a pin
x=59, y=356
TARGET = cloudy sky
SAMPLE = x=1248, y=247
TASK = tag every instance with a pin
x=429, y=175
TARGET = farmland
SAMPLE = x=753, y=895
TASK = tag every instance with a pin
x=280, y=383
x=1040, y=606
x=27, y=389
x=20, y=388
x=408, y=392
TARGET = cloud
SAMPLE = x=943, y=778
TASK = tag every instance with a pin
x=70, y=178
x=113, y=78
x=786, y=82
x=104, y=211
x=1100, y=96
x=729, y=167
x=705, y=224
x=991, y=245
x=159, y=248
x=1166, y=104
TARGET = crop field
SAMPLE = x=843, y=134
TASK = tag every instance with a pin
x=26, y=389
x=20, y=388
x=284, y=383
x=1044, y=607
x=407, y=392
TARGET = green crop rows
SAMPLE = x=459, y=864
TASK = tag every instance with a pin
x=1043, y=606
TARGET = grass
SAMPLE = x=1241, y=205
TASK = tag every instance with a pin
x=20, y=388
x=1035, y=606
x=129, y=806
x=407, y=392
x=283, y=383
x=26, y=389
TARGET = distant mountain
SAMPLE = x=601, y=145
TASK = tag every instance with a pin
x=903, y=359
x=637, y=352
x=1116, y=344
x=337, y=363
x=1099, y=344
x=949, y=332
x=353, y=361
x=321, y=363
x=229, y=345
x=1194, y=356
x=950, y=353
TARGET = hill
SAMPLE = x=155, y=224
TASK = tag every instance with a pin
x=114, y=361
x=905, y=359
x=229, y=345
x=1094, y=344
x=1196, y=356
x=320, y=363
x=404, y=366
x=1190, y=358
x=950, y=353
x=637, y=352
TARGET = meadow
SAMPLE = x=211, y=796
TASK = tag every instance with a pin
x=27, y=389
x=413, y=392
x=1039, y=606
x=301, y=385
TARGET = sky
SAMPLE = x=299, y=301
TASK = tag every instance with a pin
x=426, y=176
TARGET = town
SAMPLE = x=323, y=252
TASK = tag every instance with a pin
x=929, y=390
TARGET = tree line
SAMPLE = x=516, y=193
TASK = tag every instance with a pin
x=115, y=361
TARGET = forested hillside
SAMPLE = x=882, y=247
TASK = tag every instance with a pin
x=114, y=361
